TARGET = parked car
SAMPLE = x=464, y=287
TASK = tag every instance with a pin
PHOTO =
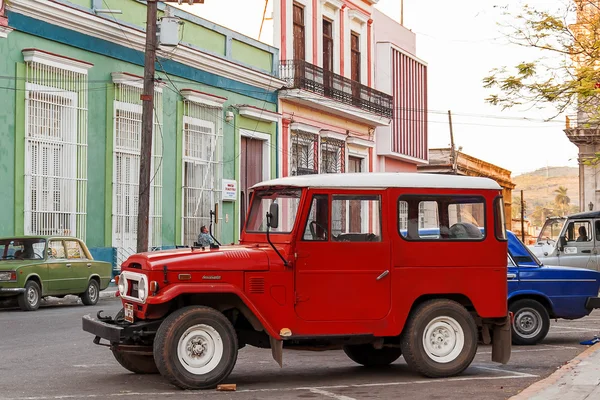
x=538, y=293
x=35, y=267
x=572, y=241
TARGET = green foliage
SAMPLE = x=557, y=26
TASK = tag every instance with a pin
x=567, y=74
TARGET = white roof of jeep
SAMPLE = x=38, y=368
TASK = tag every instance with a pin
x=378, y=180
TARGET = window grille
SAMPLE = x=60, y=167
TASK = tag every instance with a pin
x=55, y=151
x=202, y=168
x=333, y=155
x=127, y=112
x=305, y=153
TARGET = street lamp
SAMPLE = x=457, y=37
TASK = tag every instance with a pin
x=591, y=206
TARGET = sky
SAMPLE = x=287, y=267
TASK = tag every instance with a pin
x=461, y=42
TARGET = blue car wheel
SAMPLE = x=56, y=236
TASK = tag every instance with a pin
x=531, y=322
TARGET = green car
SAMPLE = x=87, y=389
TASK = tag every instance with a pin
x=33, y=267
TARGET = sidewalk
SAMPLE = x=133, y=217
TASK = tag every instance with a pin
x=579, y=379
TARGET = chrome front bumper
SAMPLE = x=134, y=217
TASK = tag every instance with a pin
x=11, y=290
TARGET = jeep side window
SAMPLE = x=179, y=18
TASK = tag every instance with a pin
x=579, y=231
x=356, y=218
x=317, y=223
x=441, y=218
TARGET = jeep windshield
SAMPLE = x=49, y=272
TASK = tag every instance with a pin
x=22, y=249
x=551, y=229
x=288, y=200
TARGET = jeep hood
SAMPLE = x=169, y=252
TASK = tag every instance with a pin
x=226, y=258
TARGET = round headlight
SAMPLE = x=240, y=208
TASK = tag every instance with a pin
x=122, y=285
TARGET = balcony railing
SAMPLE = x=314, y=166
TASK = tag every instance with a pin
x=303, y=75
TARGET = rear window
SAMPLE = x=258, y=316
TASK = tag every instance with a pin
x=453, y=218
x=500, y=219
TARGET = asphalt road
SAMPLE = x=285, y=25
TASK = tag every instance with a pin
x=44, y=355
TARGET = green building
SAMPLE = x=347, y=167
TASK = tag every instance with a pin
x=70, y=124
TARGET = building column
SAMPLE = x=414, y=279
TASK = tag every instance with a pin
x=342, y=44
x=370, y=52
x=285, y=143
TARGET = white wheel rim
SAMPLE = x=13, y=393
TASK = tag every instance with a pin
x=200, y=349
x=528, y=323
x=443, y=339
x=92, y=292
x=32, y=296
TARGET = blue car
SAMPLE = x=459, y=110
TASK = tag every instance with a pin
x=538, y=293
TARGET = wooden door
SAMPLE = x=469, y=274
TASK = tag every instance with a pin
x=327, y=56
x=299, y=46
x=251, y=171
x=354, y=217
x=355, y=62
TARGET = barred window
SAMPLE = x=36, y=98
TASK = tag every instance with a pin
x=304, y=153
x=127, y=113
x=55, y=147
x=202, y=168
x=333, y=156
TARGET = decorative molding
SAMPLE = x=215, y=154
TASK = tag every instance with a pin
x=335, y=4
x=137, y=81
x=300, y=127
x=358, y=16
x=4, y=31
x=259, y=114
x=325, y=134
x=206, y=99
x=55, y=60
x=304, y=97
x=126, y=36
x=360, y=142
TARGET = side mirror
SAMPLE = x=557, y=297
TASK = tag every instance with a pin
x=273, y=216
x=562, y=243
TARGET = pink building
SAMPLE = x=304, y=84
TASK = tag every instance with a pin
x=402, y=145
x=330, y=106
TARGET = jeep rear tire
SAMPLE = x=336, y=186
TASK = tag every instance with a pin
x=439, y=339
x=136, y=363
x=531, y=322
x=196, y=348
x=367, y=355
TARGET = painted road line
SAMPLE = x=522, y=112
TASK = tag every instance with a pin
x=577, y=329
x=531, y=350
x=331, y=395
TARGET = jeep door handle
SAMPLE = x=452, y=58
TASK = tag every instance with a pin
x=383, y=275
x=586, y=251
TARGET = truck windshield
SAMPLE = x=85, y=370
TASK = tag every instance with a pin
x=288, y=200
x=551, y=229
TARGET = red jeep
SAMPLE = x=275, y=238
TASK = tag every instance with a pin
x=379, y=265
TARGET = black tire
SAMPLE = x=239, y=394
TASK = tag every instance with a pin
x=447, y=313
x=30, y=300
x=92, y=293
x=136, y=363
x=367, y=355
x=531, y=322
x=207, y=322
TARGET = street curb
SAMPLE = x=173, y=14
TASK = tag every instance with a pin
x=539, y=386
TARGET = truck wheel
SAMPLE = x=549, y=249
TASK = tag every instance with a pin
x=367, y=355
x=92, y=293
x=30, y=300
x=439, y=339
x=136, y=363
x=196, y=348
x=531, y=322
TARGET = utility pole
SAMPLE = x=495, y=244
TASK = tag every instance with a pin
x=453, y=154
x=147, y=98
x=522, y=218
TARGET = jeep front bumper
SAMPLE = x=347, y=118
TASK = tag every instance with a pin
x=592, y=303
x=118, y=331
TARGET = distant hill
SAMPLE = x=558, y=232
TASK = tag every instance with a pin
x=539, y=186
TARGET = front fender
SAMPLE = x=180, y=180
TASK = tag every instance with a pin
x=174, y=291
